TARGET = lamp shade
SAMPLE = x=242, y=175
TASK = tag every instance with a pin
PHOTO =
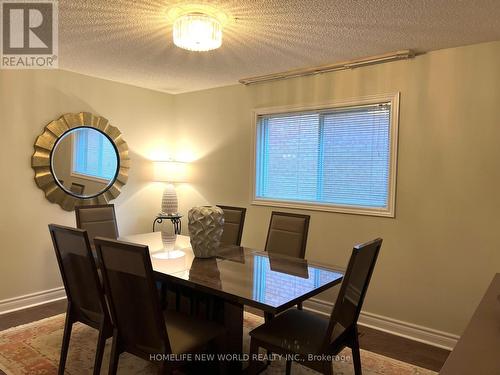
x=169, y=171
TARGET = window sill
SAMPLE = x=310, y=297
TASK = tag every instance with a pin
x=90, y=178
x=366, y=211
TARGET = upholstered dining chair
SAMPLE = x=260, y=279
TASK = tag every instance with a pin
x=304, y=333
x=78, y=189
x=86, y=302
x=141, y=328
x=234, y=219
x=287, y=235
x=97, y=220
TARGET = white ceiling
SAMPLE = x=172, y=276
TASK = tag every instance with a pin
x=131, y=42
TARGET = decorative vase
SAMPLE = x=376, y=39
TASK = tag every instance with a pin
x=205, y=224
x=169, y=205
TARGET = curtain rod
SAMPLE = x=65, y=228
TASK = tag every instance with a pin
x=350, y=64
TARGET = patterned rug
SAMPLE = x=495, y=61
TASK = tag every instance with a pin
x=34, y=349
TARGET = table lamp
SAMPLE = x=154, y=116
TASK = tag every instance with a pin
x=169, y=172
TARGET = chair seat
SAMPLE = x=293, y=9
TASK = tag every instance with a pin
x=186, y=334
x=296, y=331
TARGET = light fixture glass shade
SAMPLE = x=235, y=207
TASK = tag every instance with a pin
x=169, y=171
x=197, y=32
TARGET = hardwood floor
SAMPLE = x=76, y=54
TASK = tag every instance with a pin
x=402, y=349
x=392, y=346
x=32, y=314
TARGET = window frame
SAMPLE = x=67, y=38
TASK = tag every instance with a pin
x=94, y=178
x=389, y=211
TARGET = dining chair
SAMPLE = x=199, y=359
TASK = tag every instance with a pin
x=97, y=220
x=306, y=334
x=287, y=235
x=86, y=302
x=234, y=219
x=76, y=188
x=141, y=328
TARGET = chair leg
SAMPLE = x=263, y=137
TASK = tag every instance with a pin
x=288, y=370
x=115, y=355
x=252, y=360
x=68, y=325
x=219, y=346
x=327, y=368
x=267, y=318
x=165, y=369
x=356, y=357
x=101, y=342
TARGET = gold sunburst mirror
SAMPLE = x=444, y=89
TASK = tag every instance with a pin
x=80, y=159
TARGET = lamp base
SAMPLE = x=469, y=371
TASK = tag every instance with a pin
x=169, y=202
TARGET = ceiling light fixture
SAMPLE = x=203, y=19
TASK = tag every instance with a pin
x=197, y=32
x=197, y=27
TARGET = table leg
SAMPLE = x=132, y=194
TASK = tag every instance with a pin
x=232, y=315
x=177, y=225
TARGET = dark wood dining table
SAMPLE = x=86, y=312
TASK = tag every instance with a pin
x=237, y=277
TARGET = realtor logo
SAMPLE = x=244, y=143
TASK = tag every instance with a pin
x=29, y=34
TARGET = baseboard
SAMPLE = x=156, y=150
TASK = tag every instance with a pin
x=31, y=300
x=396, y=327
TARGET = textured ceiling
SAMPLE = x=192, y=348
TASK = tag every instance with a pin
x=131, y=41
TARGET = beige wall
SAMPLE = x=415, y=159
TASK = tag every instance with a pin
x=440, y=251
x=443, y=247
x=28, y=101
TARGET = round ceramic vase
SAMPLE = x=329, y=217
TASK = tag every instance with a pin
x=205, y=224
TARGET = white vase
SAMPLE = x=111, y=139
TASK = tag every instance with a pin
x=205, y=225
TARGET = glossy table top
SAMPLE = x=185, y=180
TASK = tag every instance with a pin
x=270, y=282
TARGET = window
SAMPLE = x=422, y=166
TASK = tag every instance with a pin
x=337, y=158
x=93, y=155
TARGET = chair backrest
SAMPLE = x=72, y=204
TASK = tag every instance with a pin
x=354, y=286
x=79, y=273
x=287, y=234
x=78, y=189
x=97, y=220
x=234, y=219
x=132, y=296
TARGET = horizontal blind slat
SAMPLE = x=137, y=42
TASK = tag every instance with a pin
x=331, y=156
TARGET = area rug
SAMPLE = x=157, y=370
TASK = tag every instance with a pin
x=34, y=349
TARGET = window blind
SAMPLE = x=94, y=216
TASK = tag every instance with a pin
x=94, y=155
x=334, y=157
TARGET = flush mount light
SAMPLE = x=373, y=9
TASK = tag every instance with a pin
x=197, y=27
x=197, y=32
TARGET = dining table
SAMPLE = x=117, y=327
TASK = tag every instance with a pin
x=236, y=277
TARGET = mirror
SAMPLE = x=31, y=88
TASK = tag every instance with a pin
x=80, y=159
x=84, y=162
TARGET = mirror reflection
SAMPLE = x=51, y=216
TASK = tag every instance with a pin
x=84, y=162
